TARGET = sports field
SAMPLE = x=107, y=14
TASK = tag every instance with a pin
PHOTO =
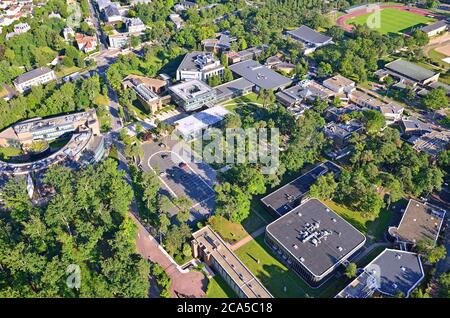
x=391, y=20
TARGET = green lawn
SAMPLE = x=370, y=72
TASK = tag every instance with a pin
x=276, y=277
x=7, y=152
x=373, y=229
x=64, y=71
x=231, y=105
x=218, y=288
x=392, y=20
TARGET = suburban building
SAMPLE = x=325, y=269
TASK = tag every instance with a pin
x=390, y=273
x=435, y=28
x=102, y=4
x=176, y=20
x=135, y=25
x=219, y=44
x=392, y=111
x=420, y=221
x=38, y=76
x=199, y=66
x=118, y=40
x=233, y=89
x=148, y=91
x=403, y=69
x=285, y=68
x=192, y=95
x=111, y=14
x=342, y=132
x=209, y=246
x=86, y=43
x=307, y=90
x=286, y=198
x=21, y=28
x=310, y=38
x=413, y=126
x=313, y=241
x=260, y=75
x=339, y=84
x=247, y=54
x=432, y=143
x=191, y=127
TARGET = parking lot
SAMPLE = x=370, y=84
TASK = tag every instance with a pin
x=180, y=178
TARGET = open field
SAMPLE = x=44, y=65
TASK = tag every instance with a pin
x=392, y=20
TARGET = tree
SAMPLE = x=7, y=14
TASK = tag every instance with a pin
x=351, y=270
x=431, y=253
x=227, y=75
x=324, y=70
x=150, y=185
x=232, y=202
x=324, y=187
x=435, y=99
x=374, y=121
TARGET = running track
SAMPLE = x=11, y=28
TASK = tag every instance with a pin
x=341, y=21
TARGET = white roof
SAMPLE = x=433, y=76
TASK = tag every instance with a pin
x=201, y=120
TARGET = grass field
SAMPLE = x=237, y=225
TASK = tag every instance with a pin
x=392, y=20
x=280, y=281
x=218, y=288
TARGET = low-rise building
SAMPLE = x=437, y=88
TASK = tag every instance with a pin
x=219, y=44
x=38, y=76
x=391, y=273
x=310, y=38
x=313, y=241
x=286, y=198
x=342, y=132
x=148, y=91
x=305, y=91
x=118, y=40
x=192, y=95
x=21, y=28
x=260, y=75
x=247, y=54
x=177, y=21
x=68, y=34
x=233, y=89
x=431, y=143
x=209, y=246
x=413, y=126
x=111, y=14
x=200, y=66
x=420, y=222
x=392, y=111
x=402, y=69
x=191, y=127
x=86, y=43
x=135, y=25
x=435, y=28
x=339, y=84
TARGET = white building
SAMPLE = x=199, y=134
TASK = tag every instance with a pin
x=135, y=25
x=38, y=76
x=339, y=84
x=21, y=28
x=68, y=34
x=118, y=40
x=177, y=20
x=200, y=66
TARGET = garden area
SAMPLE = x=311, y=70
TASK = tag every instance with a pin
x=218, y=288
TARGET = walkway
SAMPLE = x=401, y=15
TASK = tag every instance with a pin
x=187, y=283
x=248, y=238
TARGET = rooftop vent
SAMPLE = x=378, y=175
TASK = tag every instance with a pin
x=295, y=246
x=340, y=248
x=334, y=220
x=403, y=268
x=398, y=256
x=302, y=259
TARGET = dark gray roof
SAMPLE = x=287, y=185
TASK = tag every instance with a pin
x=283, y=199
x=230, y=88
x=306, y=34
x=188, y=62
x=339, y=238
x=25, y=77
x=111, y=11
x=410, y=70
x=434, y=26
x=390, y=272
x=260, y=75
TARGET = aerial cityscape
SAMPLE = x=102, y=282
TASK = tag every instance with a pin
x=224, y=149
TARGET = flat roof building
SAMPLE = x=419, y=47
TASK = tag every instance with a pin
x=310, y=38
x=420, y=221
x=199, y=66
x=313, y=240
x=38, y=76
x=404, y=69
x=210, y=247
x=284, y=199
x=148, y=91
x=260, y=75
x=390, y=273
x=306, y=90
x=342, y=132
x=233, y=89
x=432, y=143
x=191, y=126
x=435, y=28
x=339, y=84
x=192, y=95
x=412, y=125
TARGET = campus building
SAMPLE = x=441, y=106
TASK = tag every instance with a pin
x=233, y=89
x=391, y=273
x=311, y=39
x=38, y=76
x=435, y=28
x=313, y=241
x=340, y=84
x=402, y=69
x=261, y=76
x=307, y=90
x=148, y=91
x=135, y=25
x=420, y=221
x=192, y=95
x=209, y=246
x=286, y=198
x=191, y=126
x=219, y=44
x=199, y=66
x=341, y=132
